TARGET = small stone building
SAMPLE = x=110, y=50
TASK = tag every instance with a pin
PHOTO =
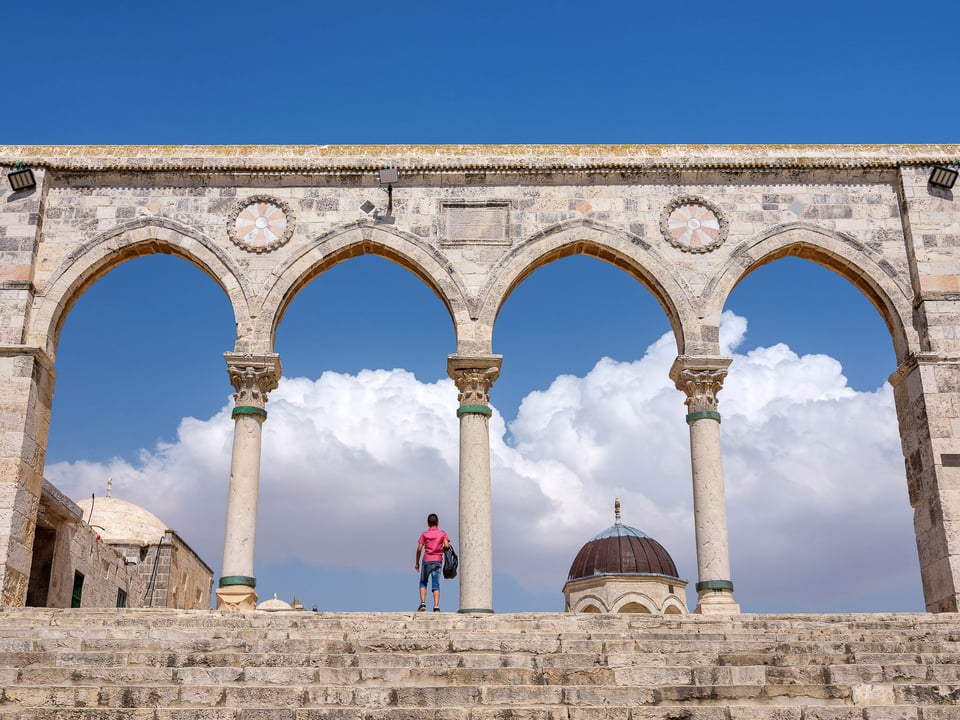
x=72, y=566
x=622, y=570
x=105, y=552
x=172, y=574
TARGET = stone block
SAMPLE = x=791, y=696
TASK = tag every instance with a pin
x=209, y=675
x=854, y=674
x=519, y=695
x=653, y=676
x=280, y=676
x=618, y=696
x=892, y=712
x=872, y=694
x=456, y=696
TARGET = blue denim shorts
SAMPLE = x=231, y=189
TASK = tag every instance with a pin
x=431, y=569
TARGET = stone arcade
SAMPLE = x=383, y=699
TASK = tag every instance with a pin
x=689, y=222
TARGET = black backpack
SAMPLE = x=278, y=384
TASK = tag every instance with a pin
x=450, y=562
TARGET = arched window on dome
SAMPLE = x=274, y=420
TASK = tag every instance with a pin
x=634, y=607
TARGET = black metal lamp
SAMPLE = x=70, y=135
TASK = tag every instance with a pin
x=21, y=178
x=388, y=176
x=944, y=176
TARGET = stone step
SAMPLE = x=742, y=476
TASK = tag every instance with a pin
x=526, y=712
x=245, y=666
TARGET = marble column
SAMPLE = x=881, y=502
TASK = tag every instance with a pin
x=252, y=376
x=701, y=378
x=474, y=377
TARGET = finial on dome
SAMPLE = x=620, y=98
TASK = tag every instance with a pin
x=616, y=511
x=109, y=485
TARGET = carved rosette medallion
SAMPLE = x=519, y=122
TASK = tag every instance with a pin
x=693, y=225
x=261, y=224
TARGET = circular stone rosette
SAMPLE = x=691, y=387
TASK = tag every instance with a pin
x=261, y=224
x=693, y=225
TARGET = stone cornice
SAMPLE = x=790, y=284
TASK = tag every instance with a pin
x=428, y=159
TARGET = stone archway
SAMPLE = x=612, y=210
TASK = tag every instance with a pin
x=96, y=258
x=596, y=240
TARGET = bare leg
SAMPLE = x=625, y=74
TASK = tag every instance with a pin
x=423, y=595
x=436, y=598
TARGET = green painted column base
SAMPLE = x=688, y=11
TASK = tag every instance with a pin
x=230, y=580
x=475, y=611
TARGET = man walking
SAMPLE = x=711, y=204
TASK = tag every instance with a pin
x=431, y=543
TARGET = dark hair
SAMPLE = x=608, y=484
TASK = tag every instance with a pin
x=433, y=520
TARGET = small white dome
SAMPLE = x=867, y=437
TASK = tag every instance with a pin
x=120, y=521
x=274, y=604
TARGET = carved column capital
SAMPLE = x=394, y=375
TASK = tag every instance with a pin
x=474, y=376
x=700, y=379
x=252, y=376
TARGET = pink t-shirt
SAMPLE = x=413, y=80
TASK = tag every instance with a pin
x=432, y=541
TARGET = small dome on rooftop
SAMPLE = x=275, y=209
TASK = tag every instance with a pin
x=274, y=604
x=121, y=521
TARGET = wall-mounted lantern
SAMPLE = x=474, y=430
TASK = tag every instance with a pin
x=21, y=178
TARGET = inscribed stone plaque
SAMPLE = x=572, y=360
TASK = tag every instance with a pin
x=480, y=223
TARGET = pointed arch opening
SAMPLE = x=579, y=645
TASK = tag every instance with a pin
x=812, y=454
x=362, y=430
x=584, y=399
x=356, y=240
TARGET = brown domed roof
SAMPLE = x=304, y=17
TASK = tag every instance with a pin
x=622, y=550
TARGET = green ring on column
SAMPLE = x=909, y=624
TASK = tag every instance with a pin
x=476, y=611
x=249, y=410
x=715, y=585
x=228, y=580
x=474, y=410
x=702, y=414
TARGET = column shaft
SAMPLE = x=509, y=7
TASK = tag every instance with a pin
x=476, y=515
x=701, y=378
x=252, y=377
x=241, y=529
x=474, y=376
x=709, y=503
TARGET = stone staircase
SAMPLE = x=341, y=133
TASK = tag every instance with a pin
x=204, y=665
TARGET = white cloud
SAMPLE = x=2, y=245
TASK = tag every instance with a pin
x=352, y=464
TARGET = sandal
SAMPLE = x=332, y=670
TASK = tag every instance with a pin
x=422, y=608
x=437, y=609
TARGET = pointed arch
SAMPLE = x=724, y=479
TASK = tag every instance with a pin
x=586, y=602
x=673, y=606
x=362, y=237
x=94, y=259
x=887, y=288
x=634, y=602
x=585, y=237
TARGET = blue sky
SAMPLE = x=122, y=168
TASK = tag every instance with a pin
x=142, y=350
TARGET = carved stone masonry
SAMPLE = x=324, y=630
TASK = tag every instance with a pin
x=700, y=379
x=253, y=376
x=474, y=376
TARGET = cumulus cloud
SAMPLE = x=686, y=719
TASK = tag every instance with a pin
x=816, y=496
